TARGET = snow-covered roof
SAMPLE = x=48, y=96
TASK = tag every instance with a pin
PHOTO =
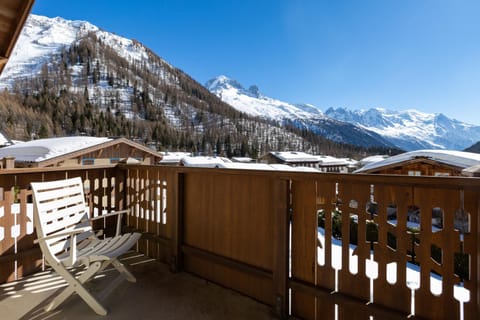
x=264, y=166
x=459, y=159
x=242, y=159
x=284, y=167
x=372, y=159
x=204, y=162
x=44, y=149
x=294, y=156
x=173, y=157
x=332, y=161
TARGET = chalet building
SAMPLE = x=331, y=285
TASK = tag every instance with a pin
x=424, y=163
x=339, y=165
x=291, y=158
x=76, y=151
x=301, y=159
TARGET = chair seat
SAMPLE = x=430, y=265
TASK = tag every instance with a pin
x=94, y=249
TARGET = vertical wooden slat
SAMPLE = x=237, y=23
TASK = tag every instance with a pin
x=357, y=284
x=280, y=196
x=472, y=248
x=175, y=212
x=396, y=295
x=304, y=245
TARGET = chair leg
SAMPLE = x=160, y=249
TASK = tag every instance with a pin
x=122, y=269
x=76, y=285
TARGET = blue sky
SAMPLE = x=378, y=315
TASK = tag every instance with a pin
x=409, y=54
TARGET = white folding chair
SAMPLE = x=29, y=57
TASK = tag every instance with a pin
x=67, y=240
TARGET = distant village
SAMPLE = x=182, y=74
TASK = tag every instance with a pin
x=84, y=150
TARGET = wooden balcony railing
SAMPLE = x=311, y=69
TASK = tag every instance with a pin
x=316, y=246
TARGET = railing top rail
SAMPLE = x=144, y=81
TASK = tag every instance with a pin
x=378, y=179
x=16, y=171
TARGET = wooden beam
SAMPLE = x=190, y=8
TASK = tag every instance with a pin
x=221, y=260
x=19, y=22
x=375, y=310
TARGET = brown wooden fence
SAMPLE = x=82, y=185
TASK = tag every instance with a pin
x=358, y=243
x=18, y=255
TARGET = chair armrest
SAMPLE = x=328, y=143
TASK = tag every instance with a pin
x=113, y=213
x=63, y=234
x=119, y=215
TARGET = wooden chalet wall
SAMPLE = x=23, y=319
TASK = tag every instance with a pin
x=117, y=152
x=430, y=168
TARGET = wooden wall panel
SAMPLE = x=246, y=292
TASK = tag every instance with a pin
x=230, y=215
x=258, y=287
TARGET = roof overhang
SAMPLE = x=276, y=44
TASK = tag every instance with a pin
x=13, y=15
x=415, y=160
x=142, y=148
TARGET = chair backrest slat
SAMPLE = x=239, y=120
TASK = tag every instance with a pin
x=59, y=207
x=63, y=203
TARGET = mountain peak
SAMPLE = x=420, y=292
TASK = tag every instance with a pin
x=222, y=82
x=253, y=89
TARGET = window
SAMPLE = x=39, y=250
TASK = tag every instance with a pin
x=414, y=173
x=442, y=174
x=88, y=161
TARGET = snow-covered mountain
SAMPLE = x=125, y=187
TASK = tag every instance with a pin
x=303, y=116
x=412, y=129
x=253, y=102
x=125, y=78
x=71, y=77
x=407, y=130
x=43, y=38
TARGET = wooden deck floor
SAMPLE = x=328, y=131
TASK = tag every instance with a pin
x=158, y=294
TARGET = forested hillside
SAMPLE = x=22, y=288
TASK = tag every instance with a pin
x=94, y=88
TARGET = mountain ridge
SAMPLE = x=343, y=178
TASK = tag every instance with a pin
x=302, y=116
x=408, y=130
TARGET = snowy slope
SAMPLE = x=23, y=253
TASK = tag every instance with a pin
x=251, y=101
x=412, y=129
x=44, y=37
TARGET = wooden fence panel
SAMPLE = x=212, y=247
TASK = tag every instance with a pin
x=232, y=227
x=228, y=221
x=19, y=256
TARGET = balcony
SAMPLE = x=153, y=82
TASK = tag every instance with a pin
x=303, y=245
